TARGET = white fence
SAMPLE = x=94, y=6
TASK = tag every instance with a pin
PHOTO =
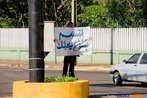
x=126, y=39
x=101, y=38
x=14, y=38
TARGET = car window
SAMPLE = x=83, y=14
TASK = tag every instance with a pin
x=134, y=59
x=144, y=59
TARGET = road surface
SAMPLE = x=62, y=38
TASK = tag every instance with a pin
x=100, y=81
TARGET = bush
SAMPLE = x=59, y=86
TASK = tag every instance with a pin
x=59, y=79
x=49, y=79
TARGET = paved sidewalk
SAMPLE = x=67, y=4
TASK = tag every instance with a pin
x=101, y=67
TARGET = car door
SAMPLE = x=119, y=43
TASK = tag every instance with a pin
x=130, y=67
x=142, y=68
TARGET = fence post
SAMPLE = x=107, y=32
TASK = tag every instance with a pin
x=111, y=50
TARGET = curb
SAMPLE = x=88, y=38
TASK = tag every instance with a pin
x=92, y=67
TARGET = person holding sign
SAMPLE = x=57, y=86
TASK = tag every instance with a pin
x=69, y=61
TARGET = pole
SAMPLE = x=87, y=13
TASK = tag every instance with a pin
x=36, y=48
x=111, y=50
x=74, y=12
x=74, y=17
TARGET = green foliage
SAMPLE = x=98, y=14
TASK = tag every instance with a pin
x=94, y=13
x=66, y=79
x=49, y=79
x=84, y=3
x=113, y=13
x=13, y=12
x=59, y=79
x=94, y=16
x=5, y=22
x=125, y=13
x=58, y=11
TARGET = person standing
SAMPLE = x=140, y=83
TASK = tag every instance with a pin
x=69, y=61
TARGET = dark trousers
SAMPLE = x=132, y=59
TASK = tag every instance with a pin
x=69, y=62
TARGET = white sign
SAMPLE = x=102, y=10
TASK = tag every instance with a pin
x=49, y=44
x=73, y=41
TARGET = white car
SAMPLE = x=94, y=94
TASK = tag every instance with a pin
x=133, y=69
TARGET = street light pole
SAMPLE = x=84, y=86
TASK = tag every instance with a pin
x=74, y=12
x=36, y=48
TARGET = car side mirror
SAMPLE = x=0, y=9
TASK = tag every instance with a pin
x=125, y=61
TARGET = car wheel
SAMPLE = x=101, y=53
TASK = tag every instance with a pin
x=117, y=79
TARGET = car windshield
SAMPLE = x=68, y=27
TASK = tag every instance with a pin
x=134, y=59
x=144, y=59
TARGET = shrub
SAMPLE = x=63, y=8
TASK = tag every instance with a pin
x=59, y=79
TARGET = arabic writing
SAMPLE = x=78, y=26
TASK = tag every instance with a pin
x=76, y=45
x=79, y=34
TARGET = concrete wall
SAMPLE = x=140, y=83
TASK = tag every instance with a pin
x=98, y=57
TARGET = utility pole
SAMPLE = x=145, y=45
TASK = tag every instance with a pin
x=36, y=44
x=74, y=12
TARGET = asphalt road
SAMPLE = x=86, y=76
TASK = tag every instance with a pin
x=100, y=81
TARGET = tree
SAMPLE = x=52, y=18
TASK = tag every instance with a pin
x=113, y=13
x=95, y=16
x=55, y=10
x=96, y=13
x=81, y=4
x=60, y=10
x=125, y=12
x=13, y=12
x=144, y=2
